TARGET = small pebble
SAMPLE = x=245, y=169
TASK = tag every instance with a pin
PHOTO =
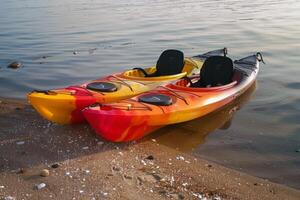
x=116, y=168
x=15, y=65
x=40, y=186
x=180, y=158
x=45, y=173
x=184, y=184
x=20, y=143
x=100, y=143
x=85, y=148
x=2, y=186
x=127, y=176
x=197, y=195
x=21, y=171
x=143, y=162
x=150, y=157
x=208, y=165
x=9, y=198
x=55, y=165
x=75, y=52
x=104, y=193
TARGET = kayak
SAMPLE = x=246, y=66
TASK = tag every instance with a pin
x=181, y=101
x=63, y=106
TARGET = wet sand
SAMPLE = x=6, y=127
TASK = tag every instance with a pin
x=89, y=168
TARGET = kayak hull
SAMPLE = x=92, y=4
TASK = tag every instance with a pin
x=130, y=119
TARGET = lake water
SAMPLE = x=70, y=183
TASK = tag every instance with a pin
x=110, y=36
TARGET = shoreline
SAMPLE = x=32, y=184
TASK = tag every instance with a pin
x=91, y=168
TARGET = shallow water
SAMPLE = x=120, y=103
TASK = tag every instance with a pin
x=110, y=36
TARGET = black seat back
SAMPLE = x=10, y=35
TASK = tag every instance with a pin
x=170, y=62
x=216, y=70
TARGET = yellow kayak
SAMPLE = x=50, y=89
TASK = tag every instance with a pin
x=63, y=106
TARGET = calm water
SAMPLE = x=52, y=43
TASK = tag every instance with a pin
x=110, y=36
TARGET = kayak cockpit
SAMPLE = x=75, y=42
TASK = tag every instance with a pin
x=171, y=64
x=217, y=73
x=185, y=84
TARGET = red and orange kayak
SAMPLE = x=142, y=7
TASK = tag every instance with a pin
x=132, y=119
x=64, y=105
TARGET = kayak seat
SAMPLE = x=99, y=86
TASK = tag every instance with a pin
x=156, y=99
x=170, y=62
x=216, y=71
x=102, y=87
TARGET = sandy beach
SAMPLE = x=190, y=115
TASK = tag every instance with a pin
x=42, y=160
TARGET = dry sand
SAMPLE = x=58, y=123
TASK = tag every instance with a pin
x=86, y=167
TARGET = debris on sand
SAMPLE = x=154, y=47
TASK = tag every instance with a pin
x=9, y=198
x=208, y=165
x=20, y=142
x=217, y=198
x=150, y=157
x=85, y=148
x=184, y=184
x=116, y=168
x=55, y=165
x=179, y=157
x=15, y=65
x=198, y=195
x=104, y=194
x=143, y=162
x=21, y=171
x=40, y=186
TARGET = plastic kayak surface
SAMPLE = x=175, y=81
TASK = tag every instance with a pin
x=132, y=119
x=64, y=105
